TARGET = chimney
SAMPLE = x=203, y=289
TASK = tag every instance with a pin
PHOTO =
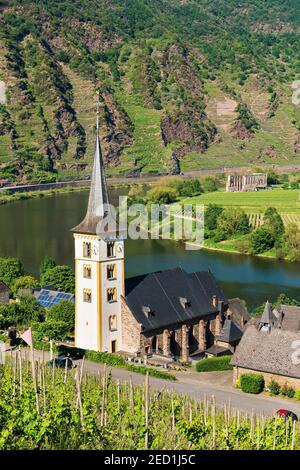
x=221, y=309
x=215, y=301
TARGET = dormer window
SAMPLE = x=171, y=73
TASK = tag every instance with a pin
x=184, y=302
x=148, y=311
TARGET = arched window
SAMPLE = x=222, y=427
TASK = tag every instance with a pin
x=111, y=271
x=87, y=249
x=111, y=249
x=113, y=323
x=87, y=295
x=87, y=271
x=112, y=295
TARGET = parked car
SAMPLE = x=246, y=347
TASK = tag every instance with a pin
x=286, y=414
x=60, y=361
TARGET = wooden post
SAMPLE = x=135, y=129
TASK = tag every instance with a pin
x=147, y=410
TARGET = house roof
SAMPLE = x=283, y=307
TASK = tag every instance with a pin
x=230, y=332
x=173, y=296
x=98, y=198
x=289, y=317
x=267, y=316
x=238, y=310
x=267, y=351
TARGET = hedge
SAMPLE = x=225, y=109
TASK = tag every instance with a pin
x=104, y=358
x=252, y=383
x=212, y=364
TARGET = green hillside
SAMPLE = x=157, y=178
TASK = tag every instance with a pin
x=183, y=84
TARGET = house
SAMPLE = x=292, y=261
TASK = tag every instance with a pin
x=4, y=293
x=271, y=346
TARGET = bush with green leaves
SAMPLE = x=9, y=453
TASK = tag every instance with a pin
x=252, y=383
x=211, y=364
x=297, y=394
x=212, y=212
x=22, y=313
x=24, y=283
x=287, y=391
x=60, y=277
x=274, y=388
x=10, y=270
x=162, y=195
x=46, y=264
x=63, y=311
x=273, y=222
x=53, y=329
x=233, y=221
x=261, y=240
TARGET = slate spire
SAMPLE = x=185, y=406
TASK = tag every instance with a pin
x=98, y=198
x=267, y=317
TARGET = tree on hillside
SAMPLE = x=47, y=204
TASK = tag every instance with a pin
x=63, y=311
x=233, y=221
x=60, y=277
x=10, y=270
x=273, y=222
x=261, y=240
x=47, y=263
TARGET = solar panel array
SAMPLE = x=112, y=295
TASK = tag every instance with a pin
x=47, y=298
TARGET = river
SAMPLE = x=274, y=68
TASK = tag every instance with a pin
x=31, y=229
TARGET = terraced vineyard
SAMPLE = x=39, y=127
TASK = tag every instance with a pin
x=73, y=411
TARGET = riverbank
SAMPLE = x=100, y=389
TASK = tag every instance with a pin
x=22, y=196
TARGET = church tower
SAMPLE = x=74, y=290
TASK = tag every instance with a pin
x=99, y=270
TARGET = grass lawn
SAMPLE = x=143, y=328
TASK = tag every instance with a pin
x=285, y=201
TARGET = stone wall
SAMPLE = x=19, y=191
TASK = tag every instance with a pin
x=280, y=379
x=131, y=330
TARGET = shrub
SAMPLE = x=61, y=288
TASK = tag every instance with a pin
x=297, y=394
x=261, y=240
x=252, y=383
x=211, y=364
x=287, y=391
x=274, y=388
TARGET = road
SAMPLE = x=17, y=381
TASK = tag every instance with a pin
x=146, y=178
x=193, y=385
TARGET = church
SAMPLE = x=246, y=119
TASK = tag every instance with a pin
x=170, y=313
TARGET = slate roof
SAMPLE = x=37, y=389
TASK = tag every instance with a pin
x=267, y=316
x=216, y=350
x=98, y=194
x=238, y=311
x=172, y=296
x=267, y=351
x=289, y=317
x=230, y=332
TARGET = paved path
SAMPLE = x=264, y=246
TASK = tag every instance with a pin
x=195, y=386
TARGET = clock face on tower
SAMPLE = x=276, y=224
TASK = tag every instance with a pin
x=95, y=250
x=120, y=249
